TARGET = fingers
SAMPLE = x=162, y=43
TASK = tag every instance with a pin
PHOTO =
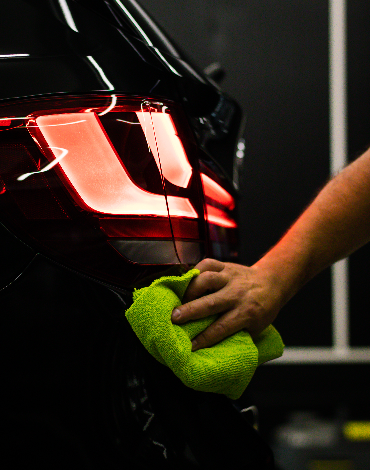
x=245, y=298
x=209, y=264
x=208, y=281
x=195, y=303
x=234, y=320
x=202, y=307
x=225, y=326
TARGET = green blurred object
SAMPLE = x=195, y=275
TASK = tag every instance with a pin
x=226, y=367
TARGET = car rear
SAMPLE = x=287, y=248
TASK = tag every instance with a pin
x=109, y=171
x=111, y=148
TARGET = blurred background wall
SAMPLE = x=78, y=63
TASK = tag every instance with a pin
x=276, y=55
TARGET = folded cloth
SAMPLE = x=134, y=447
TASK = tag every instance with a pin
x=226, y=367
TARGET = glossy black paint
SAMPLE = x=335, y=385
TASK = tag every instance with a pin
x=80, y=389
x=78, y=383
x=58, y=56
x=135, y=63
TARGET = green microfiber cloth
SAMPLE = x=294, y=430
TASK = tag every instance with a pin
x=226, y=367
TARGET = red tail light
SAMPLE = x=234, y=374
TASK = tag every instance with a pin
x=216, y=194
x=93, y=170
x=90, y=177
x=163, y=141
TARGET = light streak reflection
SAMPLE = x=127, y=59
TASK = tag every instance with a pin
x=168, y=44
x=166, y=62
x=136, y=24
x=128, y=122
x=101, y=72
x=111, y=106
x=146, y=38
x=12, y=118
x=67, y=14
x=61, y=124
x=48, y=167
x=11, y=56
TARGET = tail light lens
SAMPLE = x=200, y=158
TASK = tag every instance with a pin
x=99, y=181
x=219, y=212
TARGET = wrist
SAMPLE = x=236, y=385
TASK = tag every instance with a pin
x=287, y=270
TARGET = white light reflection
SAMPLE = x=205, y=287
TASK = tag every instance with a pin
x=12, y=118
x=146, y=38
x=138, y=27
x=192, y=71
x=169, y=46
x=142, y=104
x=67, y=14
x=63, y=124
x=166, y=62
x=101, y=73
x=163, y=447
x=111, y=106
x=151, y=416
x=128, y=122
x=241, y=149
x=11, y=56
x=47, y=167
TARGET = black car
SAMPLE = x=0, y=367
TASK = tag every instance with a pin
x=111, y=147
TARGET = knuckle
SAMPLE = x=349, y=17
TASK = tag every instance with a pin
x=255, y=309
x=209, y=264
x=210, y=302
x=251, y=318
x=210, y=277
x=204, y=265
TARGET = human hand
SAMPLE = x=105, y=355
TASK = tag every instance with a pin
x=245, y=297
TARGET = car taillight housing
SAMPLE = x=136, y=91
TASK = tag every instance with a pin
x=101, y=181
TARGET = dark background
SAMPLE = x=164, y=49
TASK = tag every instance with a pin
x=275, y=54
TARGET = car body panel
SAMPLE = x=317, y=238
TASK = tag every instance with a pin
x=80, y=389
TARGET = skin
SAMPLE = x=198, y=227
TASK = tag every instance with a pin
x=333, y=226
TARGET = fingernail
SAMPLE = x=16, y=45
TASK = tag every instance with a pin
x=176, y=314
x=194, y=344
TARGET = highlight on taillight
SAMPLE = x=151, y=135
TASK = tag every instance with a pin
x=218, y=199
x=163, y=141
x=101, y=181
x=220, y=211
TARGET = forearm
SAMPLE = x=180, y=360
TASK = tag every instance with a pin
x=333, y=226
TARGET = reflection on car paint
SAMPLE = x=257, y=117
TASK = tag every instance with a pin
x=100, y=72
x=110, y=107
x=49, y=166
x=67, y=15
